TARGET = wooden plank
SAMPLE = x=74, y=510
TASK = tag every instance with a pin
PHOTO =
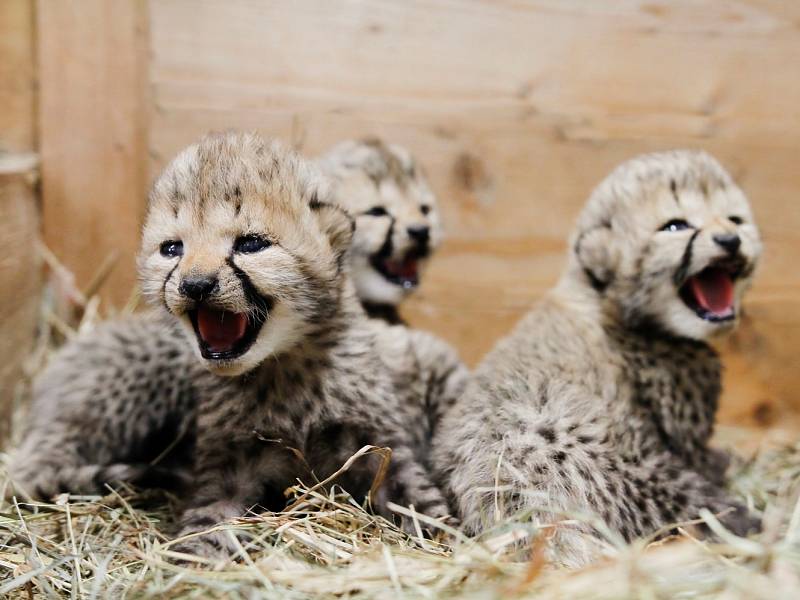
x=92, y=63
x=517, y=109
x=19, y=220
x=19, y=278
x=17, y=91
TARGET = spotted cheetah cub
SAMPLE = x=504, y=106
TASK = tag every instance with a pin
x=398, y=229
x=602, y=400
x=246, y=255
x=119, y=402
x=397, y=220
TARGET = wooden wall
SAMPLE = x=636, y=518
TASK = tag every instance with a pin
x=516, y=108
x=93, y=130
x=19, y=217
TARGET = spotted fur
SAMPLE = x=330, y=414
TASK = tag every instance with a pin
x=319, y=378
x=119, y=403
x=110, y=408
x=602, y=400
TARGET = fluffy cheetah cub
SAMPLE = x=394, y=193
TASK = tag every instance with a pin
x=397, y=230
x=240, y=246
x=397, y=220
x=119, y=403
x=603, y=398
x=242, y=250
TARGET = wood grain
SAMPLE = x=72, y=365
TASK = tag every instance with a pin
x=17, y=90
x=92, y=72
x=517, y=109
x=19, y=222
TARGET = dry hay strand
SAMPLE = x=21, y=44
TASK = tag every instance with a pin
x=325, y=545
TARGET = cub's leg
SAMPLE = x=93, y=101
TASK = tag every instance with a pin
x=443, y=373
x=411, y=484
x=231, y=478
x=407, y=481
x=110, y=404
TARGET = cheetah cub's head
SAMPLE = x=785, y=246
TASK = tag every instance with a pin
x=668, y=240
x=240, y=245
x=397, y=219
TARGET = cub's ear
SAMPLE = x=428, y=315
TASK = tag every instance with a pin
x=598, y=255
x=334, y=222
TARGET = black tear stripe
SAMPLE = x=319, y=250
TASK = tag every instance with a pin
x=164, y=286
x=683, y=268
x=386, y=249
x=262, y=303
x=385, y=312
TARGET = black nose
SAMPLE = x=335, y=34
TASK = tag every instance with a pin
x=198, y=287
x=420, y=234
x=729, y=241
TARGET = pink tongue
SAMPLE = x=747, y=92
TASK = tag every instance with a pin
x=713, y=290
x=406, y=269
x=220, y=329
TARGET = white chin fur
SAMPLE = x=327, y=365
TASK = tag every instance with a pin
x=282, y=330
x=681, y=320
x=372, y=287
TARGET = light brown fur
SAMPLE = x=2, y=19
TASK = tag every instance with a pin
x=602, y=400
x=117, y=398
x=319, y=376
x=397, y=218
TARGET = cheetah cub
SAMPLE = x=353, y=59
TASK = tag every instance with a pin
x=247, y=257
x=242, y=248
x=602, y=400
x=397, y=231
x=397, y=220
x=119, y=402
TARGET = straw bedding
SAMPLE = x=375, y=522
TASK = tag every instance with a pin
x=325, y=545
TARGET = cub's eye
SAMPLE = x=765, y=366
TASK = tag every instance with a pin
x=376, y=211
x=425, y=209
x=735, y=220
x=172, y=248
x=248, y=244
x=675, y=225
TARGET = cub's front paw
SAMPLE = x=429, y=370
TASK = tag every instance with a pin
x=203, y=535
x=214, y=545
x=739, y=521
x=716, y=465
x=409, y=525
x=735, y=517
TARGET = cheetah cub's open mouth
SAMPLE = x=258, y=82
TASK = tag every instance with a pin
x=403, y=272
x=710, y=293
x=222, y=334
